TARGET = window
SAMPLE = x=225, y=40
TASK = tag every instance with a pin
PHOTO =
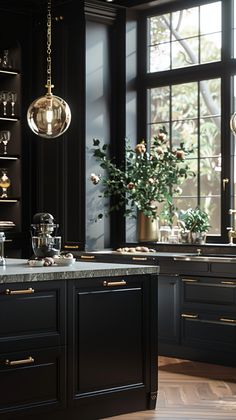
x=188, y=88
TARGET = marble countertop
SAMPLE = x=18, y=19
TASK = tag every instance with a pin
x=18, y=270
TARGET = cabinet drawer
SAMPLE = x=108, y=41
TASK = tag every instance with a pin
x=32, y=381
x=208, y=291
x=209, y=330
x=32, y=315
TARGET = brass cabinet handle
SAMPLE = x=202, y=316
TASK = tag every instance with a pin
x=224, y=182
x=19, y=362
x=139, y=258
x=114, y=283
x=229, y=320
x=19, y=292
x=71, y=246
x=192, y=316
x=228, y=282
x=190, y=280
x=87, y=257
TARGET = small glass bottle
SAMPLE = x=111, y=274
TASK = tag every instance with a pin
x=2, y=240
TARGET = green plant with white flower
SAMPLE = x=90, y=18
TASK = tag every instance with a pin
x=146, y=178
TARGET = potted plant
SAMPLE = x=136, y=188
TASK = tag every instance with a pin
x=194, y=224
x=146, y=178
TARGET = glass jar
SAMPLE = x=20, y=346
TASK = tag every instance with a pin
x=165, y=233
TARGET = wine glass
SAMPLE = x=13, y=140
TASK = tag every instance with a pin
x=4, y=183
x=4, y=97
x=5, y=136
x=12, y=98
x=5, y=59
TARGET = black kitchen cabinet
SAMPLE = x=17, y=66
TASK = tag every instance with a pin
x=110, y=333
x=82, y=348
x=31, y=381
x=168, y=309
x=33, y=352
x=208, y=318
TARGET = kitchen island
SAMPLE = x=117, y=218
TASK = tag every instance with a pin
x=77, y=341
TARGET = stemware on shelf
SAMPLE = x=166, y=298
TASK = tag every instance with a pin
x=4, y=183
x=4, y=97
x=5, y=136
x=5, y=64
x=12, y=99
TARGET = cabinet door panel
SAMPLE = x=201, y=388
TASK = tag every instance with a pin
x=32, y=379
x=168, y=309
x=32, y=319
x=110, y=341
x=208, y=291
x=209, y=331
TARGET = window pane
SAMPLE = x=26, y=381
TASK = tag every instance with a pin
x=159, y=103
x=155, y=128
x=210, y=97
x=210, y=177
x=185, y=23
x=185, y=131
x=159, y=29
x=184, y=101
x=210, y=18
x=189, y=186
x=159, y=58
x=210, y=48
x=187, y=33
x=210, y=136
x=185, y=203
x=212, y=205
x=181, y=56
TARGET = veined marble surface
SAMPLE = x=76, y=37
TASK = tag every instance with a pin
x=18, y=270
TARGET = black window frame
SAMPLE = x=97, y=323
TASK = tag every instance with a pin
x=224, y=69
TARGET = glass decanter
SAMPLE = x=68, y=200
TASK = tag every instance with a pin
x=4, y=183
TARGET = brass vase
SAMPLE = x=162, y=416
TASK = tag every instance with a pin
x=148, y=229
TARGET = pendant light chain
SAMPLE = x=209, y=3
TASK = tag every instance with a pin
x=49, y=116
x=49, y=42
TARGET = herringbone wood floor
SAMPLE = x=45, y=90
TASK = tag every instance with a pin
x=191, y=391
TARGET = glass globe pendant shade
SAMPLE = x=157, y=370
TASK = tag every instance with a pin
x=49, y=116
x=233, y=123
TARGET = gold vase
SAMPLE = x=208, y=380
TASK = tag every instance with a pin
x=148, y=229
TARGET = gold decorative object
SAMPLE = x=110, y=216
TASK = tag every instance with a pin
x=49, y=116
x=4, y=183
x=148, y=228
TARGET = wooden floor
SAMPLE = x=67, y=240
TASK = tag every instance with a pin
x=191, y=391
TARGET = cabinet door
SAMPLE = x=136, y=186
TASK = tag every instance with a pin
x=111, y=337
x=31, y=382
x=32, y=314
x=168, y=309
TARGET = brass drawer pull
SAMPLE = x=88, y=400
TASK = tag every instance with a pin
x=228, y=282
x=71, y=246
x=19, y=362
x=229, y=320
x=114, y=283
x=87, y=257
x=190, y=280
x=139, y=258
x=19, y=292
x=192, y=316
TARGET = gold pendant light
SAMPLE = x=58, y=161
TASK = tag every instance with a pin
x=49, y=116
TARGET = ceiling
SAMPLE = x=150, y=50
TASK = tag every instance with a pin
x=37, y=4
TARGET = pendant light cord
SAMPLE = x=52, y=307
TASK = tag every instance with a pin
x=49, y=85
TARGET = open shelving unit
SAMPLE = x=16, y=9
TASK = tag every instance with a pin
x=10, y=81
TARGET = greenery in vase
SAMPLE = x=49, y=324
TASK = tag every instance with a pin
x=194, y=220
x=146, y=178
